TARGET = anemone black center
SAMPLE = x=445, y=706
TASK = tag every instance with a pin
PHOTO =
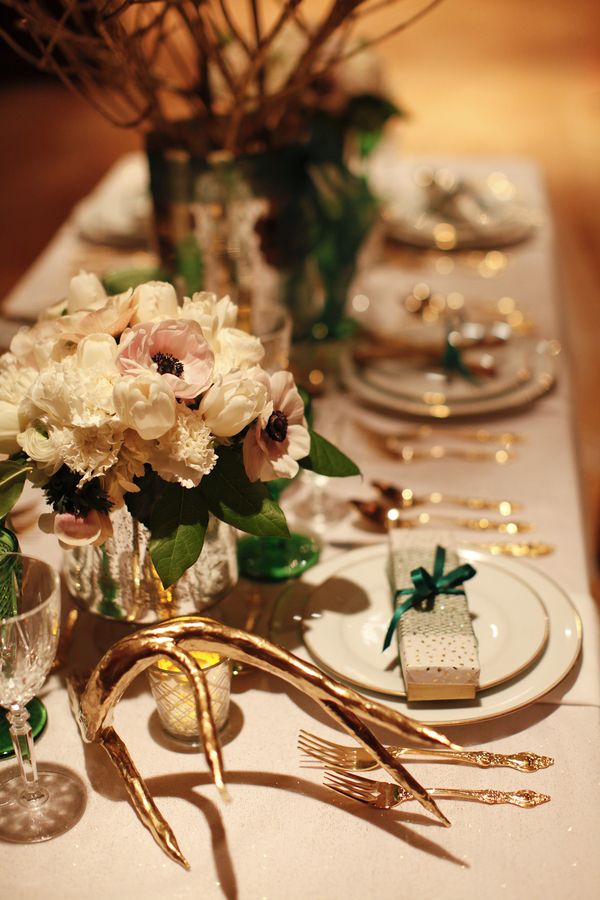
x=277, y=426
x=167, y=364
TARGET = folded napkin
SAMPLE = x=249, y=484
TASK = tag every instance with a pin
x=437, y=644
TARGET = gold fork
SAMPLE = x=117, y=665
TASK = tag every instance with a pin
x=407, y=454
x=336, y=756
x=386, y=795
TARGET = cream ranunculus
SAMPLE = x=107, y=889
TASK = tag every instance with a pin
x=9, y=427
x=85, y=292
x=154, y=301
x=145, y=403
x=38, y=447
x=235, y=400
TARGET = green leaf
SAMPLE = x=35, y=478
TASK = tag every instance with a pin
x=234, y=499
x=325, y=459
x=12, y=478
x=141, y=503
x=177, y=528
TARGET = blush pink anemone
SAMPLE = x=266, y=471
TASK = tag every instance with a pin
x=176, y=349
x=279, y=436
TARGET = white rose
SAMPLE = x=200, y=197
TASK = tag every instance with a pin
x=154, y=301
x=9, y=427
x=85, y=292
x=235, y=349
x=40, y=449
x=234, y=400
x=97, y=351
x=145, y=403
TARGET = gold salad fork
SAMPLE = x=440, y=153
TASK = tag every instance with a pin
x=386, y=795
x=330, y=755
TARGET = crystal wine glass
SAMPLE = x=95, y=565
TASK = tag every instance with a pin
x=39, y=804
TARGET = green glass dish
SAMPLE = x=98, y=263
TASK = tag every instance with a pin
x=277, y=558
x=38, y=718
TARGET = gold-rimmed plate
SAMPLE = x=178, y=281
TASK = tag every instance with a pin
x=554, y=662
x=347, y=615
x=438, y=403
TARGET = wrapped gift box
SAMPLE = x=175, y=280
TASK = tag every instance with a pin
x=438, y=647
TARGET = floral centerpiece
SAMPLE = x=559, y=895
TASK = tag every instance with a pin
x=161, y=406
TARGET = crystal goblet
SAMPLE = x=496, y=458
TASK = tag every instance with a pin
x=39, y=804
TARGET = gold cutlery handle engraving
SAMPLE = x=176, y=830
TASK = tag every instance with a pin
x=484, y=759
x=526, y=799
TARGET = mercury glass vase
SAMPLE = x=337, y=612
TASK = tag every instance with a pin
x=119, y=581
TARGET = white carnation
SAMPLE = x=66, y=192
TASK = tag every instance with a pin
x=89, y=451
x=65, y=393
x=133, y=455
x=15, y=379
x=186, y=452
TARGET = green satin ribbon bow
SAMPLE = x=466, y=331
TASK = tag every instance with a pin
x=426, y=587
x=452, y=361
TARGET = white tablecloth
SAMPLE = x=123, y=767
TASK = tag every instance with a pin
x=284, y=834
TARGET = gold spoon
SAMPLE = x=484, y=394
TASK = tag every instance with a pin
x=406, y=453
x=383, y=516
x=405, y=499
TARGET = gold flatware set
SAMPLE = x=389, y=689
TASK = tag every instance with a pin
x=341, y=763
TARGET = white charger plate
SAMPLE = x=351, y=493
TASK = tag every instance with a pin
x=509, y=620
x=541, y=364
x=555, y=661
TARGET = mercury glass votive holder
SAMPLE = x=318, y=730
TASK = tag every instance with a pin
x=174, y=696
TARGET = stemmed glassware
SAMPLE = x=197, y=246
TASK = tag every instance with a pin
x=38, y=804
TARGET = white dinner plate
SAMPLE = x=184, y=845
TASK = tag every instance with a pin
x=437, y=403
x=497, y=223
x=414, y=380
x=347, y=616
x=553, y=664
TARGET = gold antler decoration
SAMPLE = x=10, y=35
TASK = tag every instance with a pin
x=93, y=702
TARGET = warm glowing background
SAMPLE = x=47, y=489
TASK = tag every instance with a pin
x=479, y=78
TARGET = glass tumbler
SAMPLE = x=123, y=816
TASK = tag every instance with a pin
x=174, y=696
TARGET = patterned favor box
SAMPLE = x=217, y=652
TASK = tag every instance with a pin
x=438, y=648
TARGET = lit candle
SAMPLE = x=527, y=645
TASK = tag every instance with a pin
x=174, y=696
